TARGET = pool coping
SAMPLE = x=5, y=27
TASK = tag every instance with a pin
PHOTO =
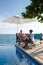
x=32, y=56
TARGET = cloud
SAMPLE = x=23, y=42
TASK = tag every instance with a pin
x=2, y=18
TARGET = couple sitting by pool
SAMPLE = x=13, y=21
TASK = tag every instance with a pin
x=26, y=38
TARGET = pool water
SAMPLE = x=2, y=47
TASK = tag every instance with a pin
x=9, y=54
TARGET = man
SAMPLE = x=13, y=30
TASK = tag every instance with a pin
x=19, y=37
x=23, y=37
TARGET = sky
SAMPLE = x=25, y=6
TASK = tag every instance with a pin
x=9, y=8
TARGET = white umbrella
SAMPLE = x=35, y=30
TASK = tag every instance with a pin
x=17, y=20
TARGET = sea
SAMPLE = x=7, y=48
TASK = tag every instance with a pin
x=7, y=39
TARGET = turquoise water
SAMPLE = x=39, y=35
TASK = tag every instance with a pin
x=8, y=54
x=7, y=39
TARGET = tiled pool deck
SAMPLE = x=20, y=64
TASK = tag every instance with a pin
x=35, y=51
